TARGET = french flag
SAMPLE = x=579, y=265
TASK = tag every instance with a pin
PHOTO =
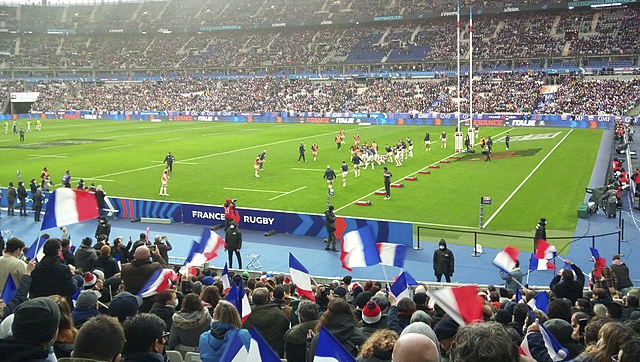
x=9, y=290
x=539, y=302
x=506, y=259
x=35, y=250
x=392, y=254
x=235, y=351
x=329, y=349
x=545, y=250
x=600, y=262
x=554, y=348
x=260, y=350
x=239, y=299
x=159, y=281
x=202, y=251
x=224, y=278
x=400, y=287
x=519, y=297
x=359, y=249
x=69, y=206
x=461, y=303
x=300, y=277
x=540, y=264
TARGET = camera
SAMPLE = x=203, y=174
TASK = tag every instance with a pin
x=152, y=248
x=234, y=200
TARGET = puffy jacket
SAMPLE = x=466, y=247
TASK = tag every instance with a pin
x=85, y=258
x=51, y=276
x=214, y=342
x=186, y=328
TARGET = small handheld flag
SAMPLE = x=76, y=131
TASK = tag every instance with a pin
x=159, y=281
x=69, y=206
x=300, y=277
x=392, y=254
x=359, y=249
x=9, y=290
x=506, y=259
x=461, y=303
x=329, y=349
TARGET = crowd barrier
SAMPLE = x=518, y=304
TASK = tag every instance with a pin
x=251, y=219
x=420, y=119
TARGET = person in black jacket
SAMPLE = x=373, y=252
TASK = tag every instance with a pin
x=38, y=200
x=233, y=244
x=51, y=275
x=120, y=251
x=22, y=197
x=106, y=262
x=443, y=262
x=541, y=232
x=621, y=280
x=563, y=285
x=67, y=255
x=302, y=152
x=100, y=195
x=104, y=228
x=330, y=225
x=85, y=255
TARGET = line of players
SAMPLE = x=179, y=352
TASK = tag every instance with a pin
x=363, y=155
x=14, y=126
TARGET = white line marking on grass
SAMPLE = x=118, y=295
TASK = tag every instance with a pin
x=254, y=190
x=211, y=134
x=215, y=154
x=287, y=193
x=119, y=146
x=176, y=162
x=33, y=157
x=307, y=169
x=171, y=139
x=445, y=225
x=526, y=179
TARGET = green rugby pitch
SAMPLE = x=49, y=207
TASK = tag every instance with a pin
x=542, y=175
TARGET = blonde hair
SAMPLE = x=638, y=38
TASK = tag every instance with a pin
x=226, y=312
x=382, y=340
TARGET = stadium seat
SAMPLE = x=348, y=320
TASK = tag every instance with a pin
x=192, y=357
x=254, y=261
x=175, y=356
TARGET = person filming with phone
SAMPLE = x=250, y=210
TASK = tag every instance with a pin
x=163, y=246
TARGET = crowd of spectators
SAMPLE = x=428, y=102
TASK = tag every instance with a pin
x=41, y=322
x=523, y=35
x=493, y=92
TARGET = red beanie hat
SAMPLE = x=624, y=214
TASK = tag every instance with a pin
x=371, y=313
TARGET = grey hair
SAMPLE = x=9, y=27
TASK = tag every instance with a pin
x=483, y=342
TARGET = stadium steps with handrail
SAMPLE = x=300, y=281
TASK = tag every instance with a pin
x=554, y=27
x=594, y=22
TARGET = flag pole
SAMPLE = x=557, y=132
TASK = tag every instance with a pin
x=471, y=67
x=459, y=95
x=384, y=271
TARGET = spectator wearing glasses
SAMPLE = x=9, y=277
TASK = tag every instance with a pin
x=145, y=338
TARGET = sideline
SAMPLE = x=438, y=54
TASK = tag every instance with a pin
x=526, y=179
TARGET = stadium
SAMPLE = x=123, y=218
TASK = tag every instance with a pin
x=244, y=93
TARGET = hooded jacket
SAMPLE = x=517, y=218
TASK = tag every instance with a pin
x=214, y=342
x=187, y=328
x=443, y=261
x=85, y=258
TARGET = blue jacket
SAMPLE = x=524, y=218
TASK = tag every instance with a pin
x=214, y=341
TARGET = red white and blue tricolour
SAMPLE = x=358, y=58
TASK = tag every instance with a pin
x=506, y=259
x=158, y=282
x=69, y=206
x=300, y=277
x=359, y=249
x=392, y=254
